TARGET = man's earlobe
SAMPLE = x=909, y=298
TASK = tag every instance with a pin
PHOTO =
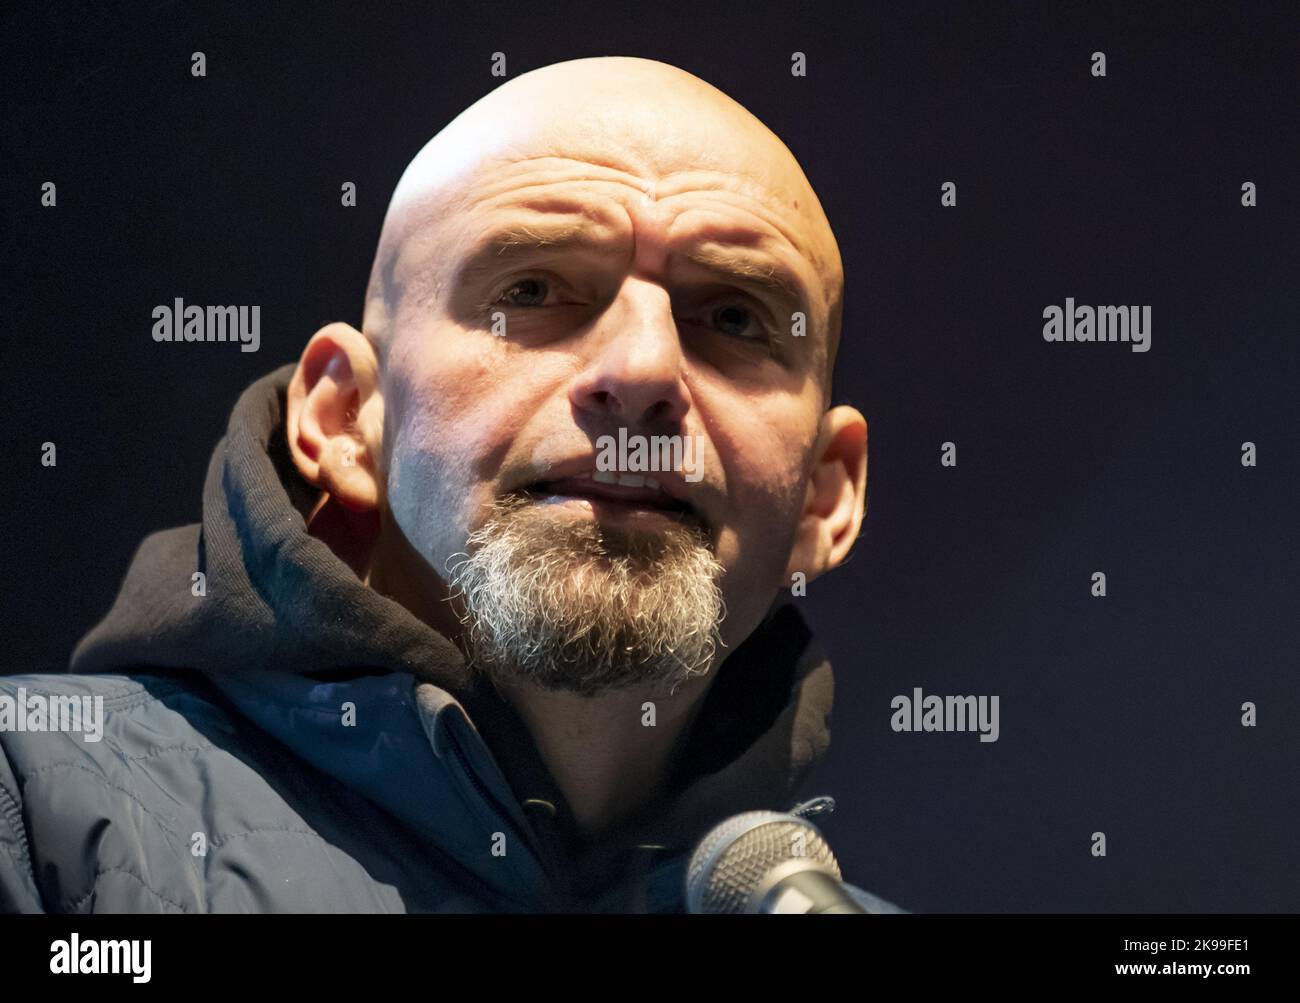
x=335, y=420
x=835, y=499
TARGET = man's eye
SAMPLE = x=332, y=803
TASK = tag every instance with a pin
x=525, y=292
x=738, y=322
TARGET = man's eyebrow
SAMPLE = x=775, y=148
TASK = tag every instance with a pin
x=762, y=271
x=520, y=240
x=754, y=269
x=519, y=237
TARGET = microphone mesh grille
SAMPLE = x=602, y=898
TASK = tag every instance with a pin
x=735, y=857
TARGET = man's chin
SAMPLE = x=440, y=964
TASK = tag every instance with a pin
x=560, y=597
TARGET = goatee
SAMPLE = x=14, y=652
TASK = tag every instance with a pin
x=573, y=605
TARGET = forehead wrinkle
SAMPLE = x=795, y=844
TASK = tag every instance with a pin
x=747, y=196
x=497, y=178
x=800, y=232
x=548, y=205
x=495, y=182
x=415, y=212
x=464, y=207
x=788, y=266
x=548, y=222
x=766, y=200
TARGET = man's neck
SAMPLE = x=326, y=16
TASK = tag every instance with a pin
x=609, y=754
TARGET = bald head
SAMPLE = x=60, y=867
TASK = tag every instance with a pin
x=633, y=123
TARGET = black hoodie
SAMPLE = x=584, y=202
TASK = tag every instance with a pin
x=285, y=637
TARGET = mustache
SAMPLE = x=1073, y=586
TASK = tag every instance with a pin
x=594, y=538
x=652, y=473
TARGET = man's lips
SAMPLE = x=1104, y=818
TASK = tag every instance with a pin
x=632, y=490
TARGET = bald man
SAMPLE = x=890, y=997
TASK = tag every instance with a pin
x=484, y=611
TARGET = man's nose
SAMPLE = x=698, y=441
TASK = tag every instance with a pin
x=633, y=373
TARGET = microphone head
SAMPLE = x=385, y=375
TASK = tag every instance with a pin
x=743, y=857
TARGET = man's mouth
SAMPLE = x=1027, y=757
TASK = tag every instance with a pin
x=612, y=491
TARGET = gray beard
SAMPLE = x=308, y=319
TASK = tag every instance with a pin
x=571, y=605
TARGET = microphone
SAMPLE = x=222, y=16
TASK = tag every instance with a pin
x=769, y=863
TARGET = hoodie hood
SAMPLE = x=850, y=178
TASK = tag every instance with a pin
x=288, y=634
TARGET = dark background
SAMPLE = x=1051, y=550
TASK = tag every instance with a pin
x=1119, y=714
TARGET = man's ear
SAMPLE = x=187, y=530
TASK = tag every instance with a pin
x=336, y=417
x=836, y=495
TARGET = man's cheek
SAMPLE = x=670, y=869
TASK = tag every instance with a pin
x=430, y=500
x=771, y=492
x=759, y=528
x=765, y=515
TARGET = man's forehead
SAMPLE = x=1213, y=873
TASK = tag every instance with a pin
x=619, y=123
x=635, y=115
x=638, y=117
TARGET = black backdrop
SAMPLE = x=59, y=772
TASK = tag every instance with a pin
x=1118, y=714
